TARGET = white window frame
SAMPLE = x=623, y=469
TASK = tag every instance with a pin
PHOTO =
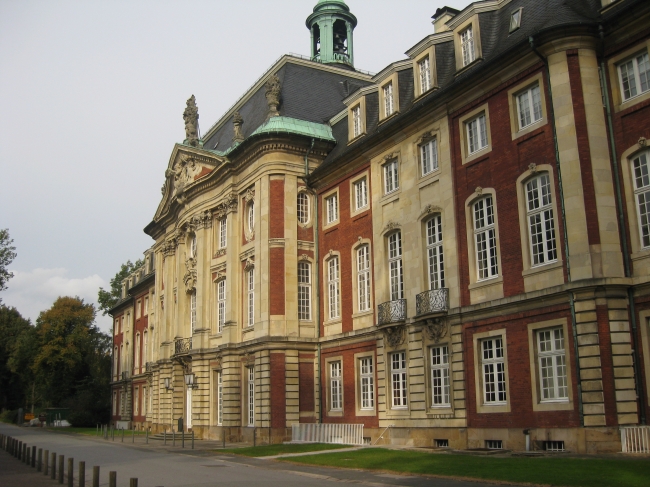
x=551, y=360
x=440, y=376
x=336, y=385
x=137, y=352
x=435, y=252
x=332, y=208
x=250, y=297
x=251, y=217
x=540, y=220
x=250, y=382
x=399, y=380
x=304, y=291
x=334, y=287
x=193, y=311
x=391, y=176
x=637, y=78
x=136, y=401
x=467, y=45
x=145, y=345
x=302, y=208
x=363, y=278
x=221, y=305
x=138, y=309
x=493, y=370
x=429, y=156
x=641, y=182
x=396, y=277
x=367, y=383
x=223, y=233
x=485, y=239
x=424, y=68
x=529, y=106
x=144, y=401
x=389, y=103
x=219, y=397
x=361, y=193
x=356, y=121
x=477, y=135
x=114, y=403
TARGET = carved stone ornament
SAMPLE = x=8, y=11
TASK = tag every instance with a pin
x=394, y=335
x=436, y=328
x=169, y=247
x=182, y=173
x=273, y=89
x=643, y=142
x=391, y=225
x=249, y=264
x=217, y=362
x=479, y=190
x=237, y=122
x=249, y=359
x=202, y=219
x=220, y=275
x=303, y=258
x=532, y=167
x=150, y=379
x=228, y=205
x=220, y=253
x=425, y=137
x=427, y=210
x=191, y=117
x=391, y=156
x=190, y=275
x=249, y=195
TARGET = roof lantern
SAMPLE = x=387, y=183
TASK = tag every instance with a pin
x=331, y=26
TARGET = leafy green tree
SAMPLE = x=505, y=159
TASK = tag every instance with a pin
x=7, y=255
x=12, y=327
x=108, y=299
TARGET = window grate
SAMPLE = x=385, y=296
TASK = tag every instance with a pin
x=554, y=446
x=441, y=443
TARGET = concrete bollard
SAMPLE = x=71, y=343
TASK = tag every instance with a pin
x=60, y=468
x=33, y=456
x=95, y=476
x=26, y=456
x=19, y=453
x=147, y=437
x=82, y=474
x=112, y=479
x=122, y=435
x=39, y=463
x=133, y=483
x=70, y=472
x=46, y=457
x=53, y=466
x=133, y=435
x=183, y=439
x=173, y=437
x=192, y=439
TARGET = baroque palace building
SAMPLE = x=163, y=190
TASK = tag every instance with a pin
x=452, y=252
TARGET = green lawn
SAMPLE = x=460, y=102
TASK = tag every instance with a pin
x=271, y=450
x=590, y=472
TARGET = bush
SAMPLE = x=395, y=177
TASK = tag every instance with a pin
x=81, y=419
x=8, y=416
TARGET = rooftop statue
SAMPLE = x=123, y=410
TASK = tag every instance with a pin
x=273, y=96
x=191, y=117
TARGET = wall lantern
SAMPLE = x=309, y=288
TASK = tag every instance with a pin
x=168, y=385
x=189, y=381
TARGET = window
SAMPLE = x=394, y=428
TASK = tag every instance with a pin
x=333, y=288
x=494, y=371
x=116, y=327
x=251, y=217
x=223, y=233
x=467, y=45
x=429, y=156
x=476, y=134
x=138, y=309
x=221, y=305
x=435, y=258
x=122, y=403
x=250, y=372
x=336, y=391
x=114, y=403
x=635, y=75
x=219, y=398
x=552, y=365
x=193, y=311
x=250, y=286
x=363, y=278
x=494, y=444
x=332, y=207
x=398, y=379
x=367, y=383
x=356, y=121
x=388, y=99
x=515, y=19
x=391, y=177
x=146, y=305
x=144, y=400
x=137, y=351
x=361, y=193
x=425, y=74
x=439, y=376
x=145, y=351
x=116, y=363
x=485, y=239
x=303, y=208
x=304, y=291
x=642, y=195
x=540, y=220
x=395, y=266
x=193, y=247
x=529, y=107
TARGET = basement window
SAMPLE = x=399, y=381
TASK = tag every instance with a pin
x=494, y=444
x=554, y=446
x=441, y=443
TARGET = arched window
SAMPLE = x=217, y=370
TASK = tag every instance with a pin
x=334, y=288
x=251, y=217
x=304, y=291
x=363, y=277
x=193, y=311
x=145, y=351
x=640, y=167
x=250, y=286
x=541, y=226
x=435, y=259
x=485, y=239
x=303, y=208
x=116, y=362
x=395, y=266
x=221, y=305
x=137, y=351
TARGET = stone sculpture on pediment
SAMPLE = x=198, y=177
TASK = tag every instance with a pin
x=272, y=93
x=191, y=117
x=436, y=328
x=394, y=335
x=237, y=122
x=190, y=275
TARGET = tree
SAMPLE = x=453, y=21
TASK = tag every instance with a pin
x=108, y=299
x=12, y=327
x=7, y=255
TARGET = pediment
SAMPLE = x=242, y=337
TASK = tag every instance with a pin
x=187, y=167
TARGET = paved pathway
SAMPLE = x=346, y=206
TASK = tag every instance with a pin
x=159, y=465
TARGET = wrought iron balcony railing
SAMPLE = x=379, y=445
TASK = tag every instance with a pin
x=182, y=345
x=434, y=301
x=392, y=311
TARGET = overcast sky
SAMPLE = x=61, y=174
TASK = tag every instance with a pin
x=92, y=95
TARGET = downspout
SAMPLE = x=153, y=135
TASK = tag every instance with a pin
x=564, y=227
x=621, y=224
x=316, y=283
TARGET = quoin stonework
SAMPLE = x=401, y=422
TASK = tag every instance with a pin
x=452, y=252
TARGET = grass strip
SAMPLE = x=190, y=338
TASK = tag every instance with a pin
x=272, y=450
x=587, y=472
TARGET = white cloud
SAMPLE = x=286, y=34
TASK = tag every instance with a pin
x=35, y=291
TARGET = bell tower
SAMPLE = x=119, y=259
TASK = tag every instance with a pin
x=332, y=26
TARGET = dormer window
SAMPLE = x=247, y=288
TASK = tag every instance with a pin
x=388, y=100
x=357, y=118
x=467, y=46
x=515, y=19
x=388, y=97
x=424, y=68
x=356, y=121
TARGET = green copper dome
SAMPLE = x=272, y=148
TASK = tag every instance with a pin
x=331, y=25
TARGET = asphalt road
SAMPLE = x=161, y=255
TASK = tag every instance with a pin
x=155, y=465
